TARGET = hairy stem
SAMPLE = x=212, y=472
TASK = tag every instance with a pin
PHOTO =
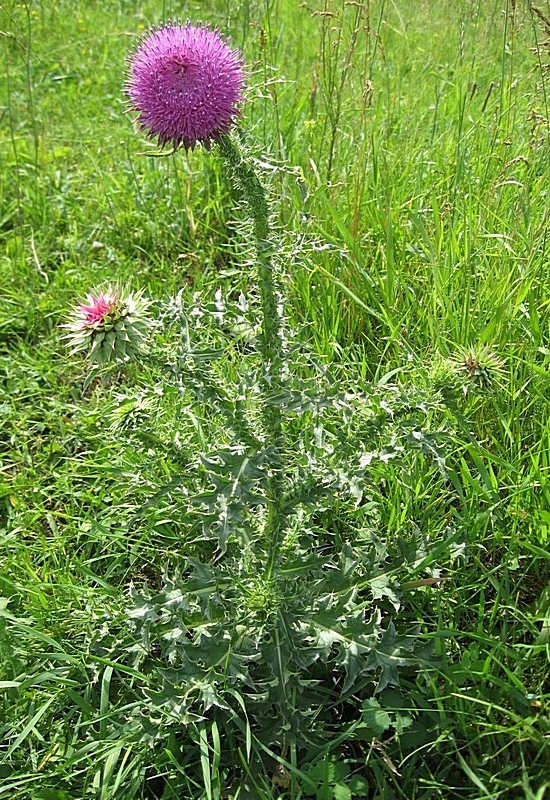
x=244, y=171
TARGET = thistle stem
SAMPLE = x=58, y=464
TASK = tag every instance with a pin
x=244, y=172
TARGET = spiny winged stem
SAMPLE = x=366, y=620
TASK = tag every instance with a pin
x=243, y=169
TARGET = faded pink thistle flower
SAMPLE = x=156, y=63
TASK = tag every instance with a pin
x=101, y=306
x=185, y=83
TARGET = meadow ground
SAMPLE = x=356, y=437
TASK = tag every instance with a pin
x=405, y=148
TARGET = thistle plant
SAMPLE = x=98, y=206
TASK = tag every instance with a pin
x=286, y=619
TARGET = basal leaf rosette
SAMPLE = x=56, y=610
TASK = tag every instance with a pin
x=112, y=325
x=186, y=84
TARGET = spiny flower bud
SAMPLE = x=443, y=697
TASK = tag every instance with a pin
x=111, y=326
x=481, y=368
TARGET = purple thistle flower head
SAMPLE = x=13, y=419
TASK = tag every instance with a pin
x=185, y=84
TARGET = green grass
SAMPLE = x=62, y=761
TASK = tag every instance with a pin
x=408, y=145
